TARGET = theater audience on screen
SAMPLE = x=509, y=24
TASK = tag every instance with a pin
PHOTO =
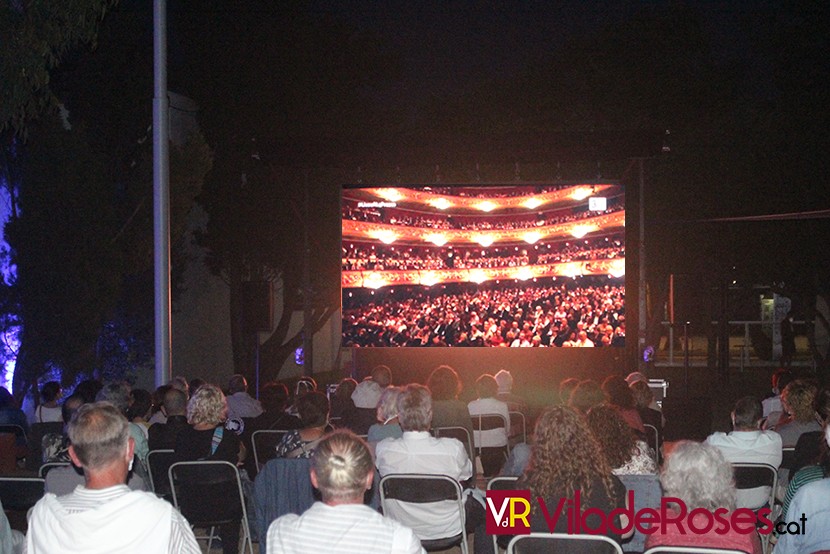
x=174, y=407
x=701, y=477
x=207, y=439
x=447, y=409
x=313, y=408
x=618, y=395
x=387, y=425
x=417, y=451
x=240, y=403
x=747, y=443
x=491, y=443
x=103, y=514
x=625, y=452
x=586, y=395
x=342, y=470
x=567, y=458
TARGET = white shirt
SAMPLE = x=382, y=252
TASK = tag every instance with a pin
x=490, y=437
x=344, y=529
x=242, y=404
x=114, y=519
x=420, y=452
x=754, y=447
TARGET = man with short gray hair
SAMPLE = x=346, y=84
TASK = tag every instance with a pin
x=104, y=515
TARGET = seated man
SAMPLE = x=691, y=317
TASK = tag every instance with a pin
x=342, y=470
x=419, y=452
x=104, y=515
x=174, y=407
x=240, y=403
x=749, y=444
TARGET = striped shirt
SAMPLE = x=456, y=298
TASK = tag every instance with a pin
x=344, y=529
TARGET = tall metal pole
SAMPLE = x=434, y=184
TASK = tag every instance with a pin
x=161, y=194
x=641, y=256
x=308, y=308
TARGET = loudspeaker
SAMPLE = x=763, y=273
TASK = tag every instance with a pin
x=257, y=306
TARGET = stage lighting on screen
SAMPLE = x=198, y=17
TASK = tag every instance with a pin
x=460, y=265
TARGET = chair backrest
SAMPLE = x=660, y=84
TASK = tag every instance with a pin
x=36, y=433
x=458, y=433
x=750, y=476
x=18, y=431
x=653, y=437
x=647, y=494
x=518, y=418
x=423, y=489
x=502, y=483
x=207, y=492
x=20, y=493
x=560, y=542
x=159, y=462
x=787, y=457
x=264, y=442
x=691, y=550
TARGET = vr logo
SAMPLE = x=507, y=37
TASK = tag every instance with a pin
x=508, y=512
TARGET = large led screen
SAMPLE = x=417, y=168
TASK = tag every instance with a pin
x=473, y=266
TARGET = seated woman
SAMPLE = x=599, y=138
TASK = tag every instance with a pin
x=567, y=458
x=618, y=395
x=492, y=442
x=797, y=399
x=313, y=409
x=700, y=476
x=447, y=410
x=207, y=439
x=387, y=415
x=626, y=454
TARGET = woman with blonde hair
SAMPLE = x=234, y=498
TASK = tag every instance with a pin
x=387, y=416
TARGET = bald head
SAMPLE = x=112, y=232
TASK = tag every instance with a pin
x=174, y=403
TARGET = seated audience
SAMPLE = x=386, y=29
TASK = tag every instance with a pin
x=141, y=403
x=701, y=477
x=118, y=394
x=566, y=388
x=342, y=470
x=624, y=451
x=174, y=408
x=567, y=458
x=620, y=397
x=158, y=400
x=341, y=400
x=387, y=416
x=48, y=410
x=772, y=408
x=55, y=448
x=514, y=402
x=586, y=395
x=313, y=408
x=104, y=514
x=10, y=413
x=206, y=439
x=447, y=409
x=491, y=443
x=240, y=403
x=304, y=386
x=797, y=400
x=747, y=443
x=643, y=401
x=365, y=398
x=419, y=452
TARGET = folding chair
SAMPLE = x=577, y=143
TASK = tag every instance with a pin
x=489, y=422
x=265, y=443
x=158, y=464
x=424, y=489
x=558, y=542
x=18, y=431
x=653, y=435
x=750, y=476
x=691, y=550
x=18, y=494
x=458, y=433
x=519, y=417
x=36, y=433
x=500, y=484
x=209, y=494
x=49, y=466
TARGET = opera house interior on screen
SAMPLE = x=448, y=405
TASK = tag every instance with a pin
x=494, y=266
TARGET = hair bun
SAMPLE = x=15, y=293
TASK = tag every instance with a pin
x=338, y=461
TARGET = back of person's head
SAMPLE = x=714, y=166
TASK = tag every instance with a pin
x=342, y=466
x=486, y=386
x=443, y=383
x=699, y=475
x=174, y=402
x=141, y=402
x=313, y=409
x=117, y=394
x=208, y=406
x=617, y=392
x=784, y=378
x=643, y=396
x=180, y=383
x=821, y=405
x=50, y=391
x=88, y=389
x=798, y=398
x=158, y=396
x=345, y=388
x=237, y=383
x=505, y=381
x=99, y=434
x=382, y=375
x=274, y=397
x=388, y=404
x=615, y=436
x=193, y=386
x=415, y=408
x=566, y=388
x=586, y=395
x=70, y=406
x=747, y=413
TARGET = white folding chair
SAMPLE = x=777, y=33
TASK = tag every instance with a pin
x=552, y=540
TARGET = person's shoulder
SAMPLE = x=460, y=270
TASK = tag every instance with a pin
x=716, y=438
x=772, y=437
x=818, y=490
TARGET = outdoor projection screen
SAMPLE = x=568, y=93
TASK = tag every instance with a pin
x=539, y=265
